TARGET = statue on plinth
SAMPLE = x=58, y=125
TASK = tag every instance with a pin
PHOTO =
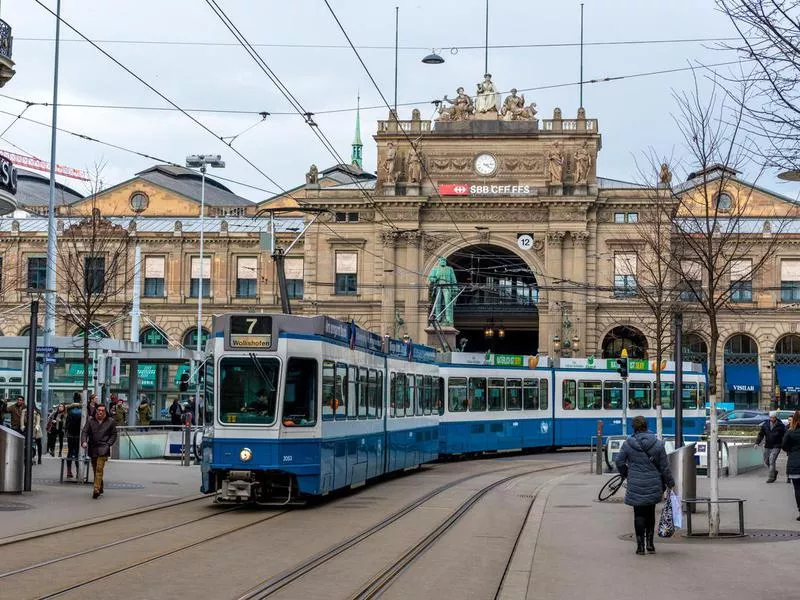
x=514, y=108
x=414, y=167
x=443, y=280
x=389, y=174
x=665, y=175
x=582, y=162
x=555, y=159
x=312, y=177
x=487, y=97
x=461, y=109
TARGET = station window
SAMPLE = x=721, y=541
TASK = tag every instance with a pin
x=619, y=217
x=352, y=391
x=612, y=395
x=154, y=276
x=530, y=394
x=363, y=382
x=300, y=393
x=589, y=395
x=329, y=400
x=514, y=394
x=37, y=272
x=200, y=272
x=346, y=273
x=640, y=393
x=293, y=268
x=543, y=394
x=667, y=400
x=457, y=394
x=568, y=394
x=477, y=394
x=246, y=277
x=497, y=391
x=347, y=217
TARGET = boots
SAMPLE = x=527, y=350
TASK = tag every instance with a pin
x=651, y=549
x=640, y=544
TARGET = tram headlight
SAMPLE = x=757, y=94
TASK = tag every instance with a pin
x=245, y=454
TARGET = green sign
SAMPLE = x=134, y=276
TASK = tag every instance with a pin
x=508, y=360
x=638, y=364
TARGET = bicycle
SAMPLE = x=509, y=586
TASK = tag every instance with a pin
x=611, y=487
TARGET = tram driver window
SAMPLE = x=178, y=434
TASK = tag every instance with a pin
x=589, y=395
x=248, y=389
x=568, y=393
x=300, y=394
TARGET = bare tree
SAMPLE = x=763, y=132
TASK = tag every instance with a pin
x=770, y=46
x=715, y=247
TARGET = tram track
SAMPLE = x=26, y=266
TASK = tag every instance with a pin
x=385, y=578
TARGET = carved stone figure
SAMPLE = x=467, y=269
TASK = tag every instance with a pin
x=556, y=114
x=581, y=113
x=443, y=283
x=555, y=159
x=514, y=108
x=487, y=98
x=461, y=109
x=665, y=175
x=414, y=167
x=312, y=176
x=389, y=173
x=415, y=115
x=582, y=162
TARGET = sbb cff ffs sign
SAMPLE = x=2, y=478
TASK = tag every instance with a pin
x=8, y=175
x=478, y=189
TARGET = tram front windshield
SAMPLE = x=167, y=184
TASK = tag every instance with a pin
x=248, y=390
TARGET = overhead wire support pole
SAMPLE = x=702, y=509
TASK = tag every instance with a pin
x=50, y=279
x=580, y=79
x=396, y=48
x=486, y=43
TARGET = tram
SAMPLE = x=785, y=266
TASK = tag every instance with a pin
x=302, y=406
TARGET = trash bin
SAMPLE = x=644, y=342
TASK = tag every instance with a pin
x=684, y=472
x=12, y=446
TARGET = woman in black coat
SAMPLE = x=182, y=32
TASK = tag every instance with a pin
x=643, y=461
x=791, y=444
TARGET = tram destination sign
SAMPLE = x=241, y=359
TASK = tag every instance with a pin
x=481, y=189
x=250, y=331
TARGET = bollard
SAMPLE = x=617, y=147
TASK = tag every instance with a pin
x=599, y=465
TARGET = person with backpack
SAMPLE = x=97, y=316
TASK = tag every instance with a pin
x=643, y=461
x=791, y=445
x=72, y=428
x=56, y=426
x=771, y=432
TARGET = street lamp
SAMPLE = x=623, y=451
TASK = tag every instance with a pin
x=202, y=162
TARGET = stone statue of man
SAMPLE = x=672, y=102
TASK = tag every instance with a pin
x=443, y=278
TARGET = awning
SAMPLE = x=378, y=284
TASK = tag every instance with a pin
x=742, y=378
x=788, y=377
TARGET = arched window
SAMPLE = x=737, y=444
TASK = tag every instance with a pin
x=96, y=332
x=629, y=338
x=190, y=338
x=741, y=344
x=153, y=338
x=24, y=331
x=695, y=349
x=788, y=344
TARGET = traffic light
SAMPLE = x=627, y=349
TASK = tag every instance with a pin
x=184, y=385
x=622, y=367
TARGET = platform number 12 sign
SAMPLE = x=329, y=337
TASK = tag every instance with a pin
x=525, y=241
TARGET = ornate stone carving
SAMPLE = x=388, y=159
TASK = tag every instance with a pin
x=487, y=98
x=579, y=238
x=555, y=162
x=432, y=243
x=514, y=108
x=583, y=161
x=555, y=238
x=388, y=165
x=414, y=167
x=409, y=238
x=557, y=114
x=534, y=164
x=483, y=236
x=388, y=238
x=538, y=246
x=312, y=177
x=665, y=175
x=582, y=113
x=461, y=108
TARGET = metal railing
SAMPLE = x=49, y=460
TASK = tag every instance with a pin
x=6, y=39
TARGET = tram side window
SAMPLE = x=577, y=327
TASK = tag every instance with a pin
x=380, y=394
x=689, y=396
x=530, y=394
x=328, y=389
x=640, y=393
x=612, y=395
x=589, y=395
x=543, y=394
x=362, y=392
x=419, y=395
x=702, y=397
x=457, y=394
x=300, y=393
x=248, y=390
x=568, y=393
x=372, y=394
x=497, y=390
x=398, y=394
x=477, y=394
x=340, y=405
x=514, y=394
x=411, y=395
x=667, y=400
x=209, y=393
x=440, y=395
x=427, y=394
x=352, y=391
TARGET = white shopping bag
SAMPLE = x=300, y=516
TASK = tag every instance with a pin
x=677, y=515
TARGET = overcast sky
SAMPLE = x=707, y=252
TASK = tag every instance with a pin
x=634, y=114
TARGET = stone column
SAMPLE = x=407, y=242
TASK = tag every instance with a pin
x=579, y=239
x=554, y=271
x=415, y=320
x=390, y=280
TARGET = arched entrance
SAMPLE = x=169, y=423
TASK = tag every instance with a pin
x=742, y=379
x=496, y=309
x=695, y=349
x=629, y=338
x=786, y=384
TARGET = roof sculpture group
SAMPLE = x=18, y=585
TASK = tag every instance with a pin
x=486, y=105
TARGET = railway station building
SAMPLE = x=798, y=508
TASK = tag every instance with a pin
x=511, y=205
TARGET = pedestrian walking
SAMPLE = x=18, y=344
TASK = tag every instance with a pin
x=16, y=411
x=92, y=405
x=98, y=436
x=37, y=431
x=120, y=413
x=56, y=427
x=791, y=444
x=176, y=412
x=771, y=433
x=145, y=412
x=643, y=460
x=73, y=430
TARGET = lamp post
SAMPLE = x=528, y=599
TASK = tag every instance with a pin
x=201, y=161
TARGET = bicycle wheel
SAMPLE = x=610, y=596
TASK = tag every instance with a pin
x=610, y=488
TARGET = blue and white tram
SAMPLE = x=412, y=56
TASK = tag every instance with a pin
x=297, y=407
x=493, y=408
x=585, y=395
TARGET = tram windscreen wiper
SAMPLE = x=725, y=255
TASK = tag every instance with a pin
x=270, y=385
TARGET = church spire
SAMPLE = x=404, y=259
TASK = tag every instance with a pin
x=355, y=157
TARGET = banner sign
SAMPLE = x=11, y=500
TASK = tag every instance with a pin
x=466, y=189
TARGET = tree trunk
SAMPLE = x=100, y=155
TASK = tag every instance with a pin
x=657, y=396
x=712, y=453
x=85, y=399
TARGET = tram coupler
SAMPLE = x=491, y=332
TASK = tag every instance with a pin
x=238, y=487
